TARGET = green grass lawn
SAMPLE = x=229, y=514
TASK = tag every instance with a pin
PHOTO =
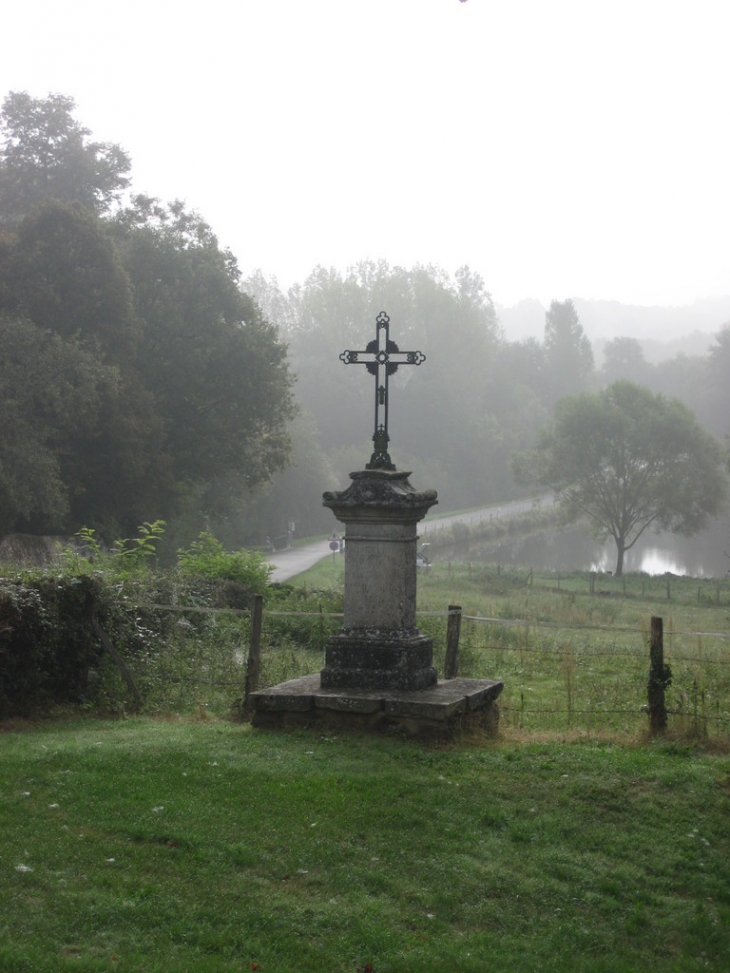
x=206, y=846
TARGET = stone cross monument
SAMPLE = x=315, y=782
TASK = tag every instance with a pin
x=379, y=671
x=379, y=645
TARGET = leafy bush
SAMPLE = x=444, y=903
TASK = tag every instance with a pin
x=302, y=617
x=135, y=553
x=51, y=654
x=129, y=556
x=47, y=646
x=206, y=558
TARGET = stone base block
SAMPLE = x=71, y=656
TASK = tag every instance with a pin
x=379, y=660
x=440, y=712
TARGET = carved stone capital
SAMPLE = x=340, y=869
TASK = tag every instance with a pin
x=384, y=490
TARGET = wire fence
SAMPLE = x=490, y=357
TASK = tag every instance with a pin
x=557, y=677
x=595, y=678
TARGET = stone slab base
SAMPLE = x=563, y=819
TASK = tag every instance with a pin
x=445, y=709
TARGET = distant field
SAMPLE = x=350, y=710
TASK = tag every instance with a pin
x=573, y=658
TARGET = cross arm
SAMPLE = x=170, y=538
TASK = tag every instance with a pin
x=382, y=357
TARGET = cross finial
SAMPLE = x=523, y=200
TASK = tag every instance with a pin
x=382, y=358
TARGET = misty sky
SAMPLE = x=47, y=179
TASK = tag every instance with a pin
x=561, y=148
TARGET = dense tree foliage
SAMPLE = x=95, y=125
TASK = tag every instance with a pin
x=50, y=391
x=215, y=366
x=64, y=272
x=46, y=154
x=628, y=460
x=136, y=375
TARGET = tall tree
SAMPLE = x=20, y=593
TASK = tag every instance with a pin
x=568, y=352
x=193, y=383
x=216, y=368
x=623, y=358
x=46, y=154
x=628, y=460
x=62, y=272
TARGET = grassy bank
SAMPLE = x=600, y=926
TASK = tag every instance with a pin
x=166, y=846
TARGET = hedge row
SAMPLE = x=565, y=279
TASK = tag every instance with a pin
x=50, y=653
x=47, y=646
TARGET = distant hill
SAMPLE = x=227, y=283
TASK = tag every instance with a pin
x=663, y=331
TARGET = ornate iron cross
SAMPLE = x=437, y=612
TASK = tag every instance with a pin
x=381, y=358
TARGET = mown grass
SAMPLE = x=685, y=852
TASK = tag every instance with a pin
x=180, y=846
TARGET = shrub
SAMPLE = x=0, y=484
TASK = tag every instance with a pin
x=134, y=554
x=206, y=558
x=128, y=557
x=47, y=647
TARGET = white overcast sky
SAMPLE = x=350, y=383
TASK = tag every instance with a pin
x=561, y=148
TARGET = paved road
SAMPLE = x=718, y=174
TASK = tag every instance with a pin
x=288, y=564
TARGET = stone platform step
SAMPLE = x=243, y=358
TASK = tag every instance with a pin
x=449, y=706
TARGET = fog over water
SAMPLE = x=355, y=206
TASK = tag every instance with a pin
x=703, y=556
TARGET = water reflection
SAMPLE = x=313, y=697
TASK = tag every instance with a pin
x=703, y=556
x=657, y=560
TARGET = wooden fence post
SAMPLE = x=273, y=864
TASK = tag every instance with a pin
x=253, y=663
x=453, y=631
x=660, y=676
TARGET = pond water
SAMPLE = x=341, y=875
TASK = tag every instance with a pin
x=706, y=555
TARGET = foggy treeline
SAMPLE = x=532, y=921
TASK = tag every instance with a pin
x=479, y=397
x=142, y=377
x=138, y=382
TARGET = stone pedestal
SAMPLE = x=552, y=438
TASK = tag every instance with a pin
x=379, y=646
x=379, y=673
